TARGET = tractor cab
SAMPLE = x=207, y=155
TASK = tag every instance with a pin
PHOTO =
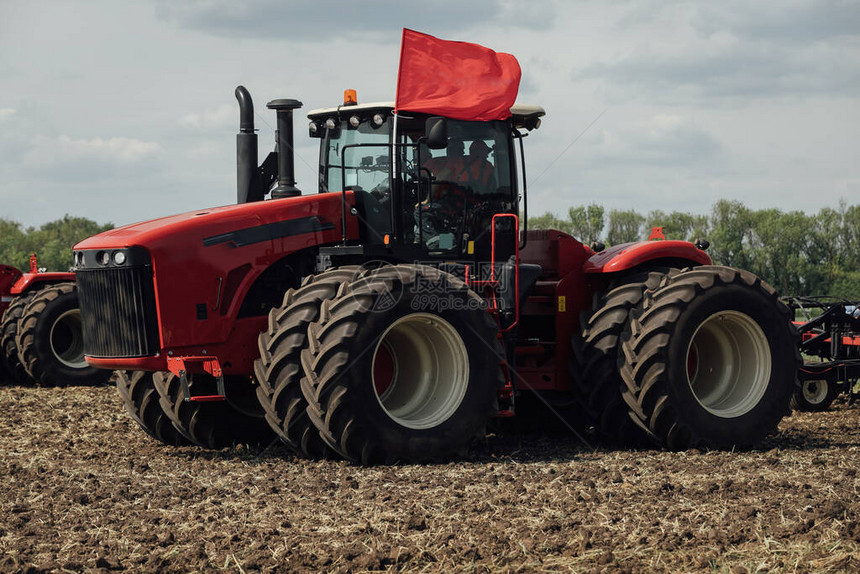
x=424, y=187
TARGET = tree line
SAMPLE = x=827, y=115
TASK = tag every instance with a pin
x=798, y=254
x=51, y=242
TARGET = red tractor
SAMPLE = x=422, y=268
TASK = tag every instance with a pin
x=394, y=313
x=41, y=340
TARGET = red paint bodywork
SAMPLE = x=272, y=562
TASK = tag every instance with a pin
x=187, y=273
x=629, y=255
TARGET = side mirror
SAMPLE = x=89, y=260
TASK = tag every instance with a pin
x=436, y=129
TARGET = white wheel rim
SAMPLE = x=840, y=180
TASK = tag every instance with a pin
x=67, y=341
x=728, y=364
x=429, y=371
x=814, y=391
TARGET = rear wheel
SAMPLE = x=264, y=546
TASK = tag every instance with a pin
x=598, y=384
x=50, y=339
x=8, y=334
x=279, y=370
x=216, y=424
x=141, y=401
x=711, y=360
x=814, y=396
x=403, y=366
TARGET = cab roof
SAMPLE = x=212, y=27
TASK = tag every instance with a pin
x=521, y=113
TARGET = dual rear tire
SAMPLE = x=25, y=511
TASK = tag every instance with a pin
x=709, y=360
x=705, y=358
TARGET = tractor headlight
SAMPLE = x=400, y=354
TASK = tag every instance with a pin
x=103, y=258
x=354, y=121
x=119, y=257
x=330, y=123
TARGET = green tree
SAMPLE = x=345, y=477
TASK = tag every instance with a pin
x=52, y=242
x=547, y=221
x=846, y=284
x=851, y=239
x=14, y=244
x=731, y=226
x=825, y=250
x=624, y=226
x=586, y=223
x=679, y=225
x=778, y=250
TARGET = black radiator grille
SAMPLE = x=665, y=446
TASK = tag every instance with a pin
x=118, y=312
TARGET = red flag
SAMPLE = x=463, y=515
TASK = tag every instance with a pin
x=455, y=79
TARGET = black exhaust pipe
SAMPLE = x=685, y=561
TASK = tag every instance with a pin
x=286, y=167
x=247, y=173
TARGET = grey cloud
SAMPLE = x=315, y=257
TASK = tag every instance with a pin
x=324, y=20
x=745, y=69
x=664, y=140
x=735, y=49
x=793, y=22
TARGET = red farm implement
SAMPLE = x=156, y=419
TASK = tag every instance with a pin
x=830, y=332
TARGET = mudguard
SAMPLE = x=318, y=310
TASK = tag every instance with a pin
x=629, y=255
x=27, y=280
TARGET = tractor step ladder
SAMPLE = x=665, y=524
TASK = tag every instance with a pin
x=179, y=366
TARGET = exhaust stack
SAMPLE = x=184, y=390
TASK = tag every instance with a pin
x=247, y=173
x=286, y=166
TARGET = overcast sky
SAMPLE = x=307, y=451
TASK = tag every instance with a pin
x=123, y=111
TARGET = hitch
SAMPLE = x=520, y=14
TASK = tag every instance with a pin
x=179, y=366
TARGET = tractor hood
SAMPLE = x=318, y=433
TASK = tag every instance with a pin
x=235, y=225
x=202, y=264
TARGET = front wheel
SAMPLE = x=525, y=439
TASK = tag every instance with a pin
x=140, y=399
x=403, y=366
x=216, y=425
x=710, y=360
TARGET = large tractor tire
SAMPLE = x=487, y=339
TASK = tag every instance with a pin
x=711, y=361
x=814, y=396
x=140, y=398
x=279, y=368
x=217, y=424
x=403, y=366
x=8, y=344
x=598, y=385
x=50, y=339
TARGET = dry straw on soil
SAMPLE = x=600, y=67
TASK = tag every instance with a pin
x=84, y=489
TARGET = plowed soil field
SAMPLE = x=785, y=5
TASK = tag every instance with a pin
x=84, y=489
